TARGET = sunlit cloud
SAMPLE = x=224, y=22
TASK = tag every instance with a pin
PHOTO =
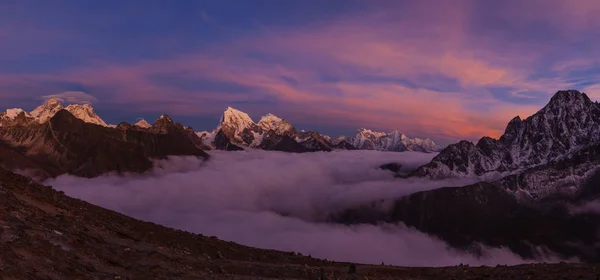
x=77, y=97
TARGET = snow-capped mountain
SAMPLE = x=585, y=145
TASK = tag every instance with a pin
x=47, y=110
x=567, y=124
x=85, y=113
x=143, y=124
x=15, y=116
x=396, y=141
x=241, y=130
x=278, y=125
x=11, y=114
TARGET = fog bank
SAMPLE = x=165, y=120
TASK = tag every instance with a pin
x=279, y=201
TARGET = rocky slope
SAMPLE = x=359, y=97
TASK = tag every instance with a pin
x=66, y=144
x=45, y=234
x=568, y=123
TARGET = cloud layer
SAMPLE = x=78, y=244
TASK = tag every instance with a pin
x=279, y=201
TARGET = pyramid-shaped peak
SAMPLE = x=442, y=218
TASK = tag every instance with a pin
x=142, y=123
x=235, y=117
x=565, y=97
x=233, y=111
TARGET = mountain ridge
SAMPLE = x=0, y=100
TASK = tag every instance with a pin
x=239, y=129
x=567, y=123
x=66, y=144
x=243, y=131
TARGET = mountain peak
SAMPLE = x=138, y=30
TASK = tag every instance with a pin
x=365, y=131
x=13, y=113
x=568, y=98
x=235, y=118
x=46, y=110
x=270, y=116
x=568, y=123
x=164, y=118
x=142, y=123
x=86, y=113
x=277, y=124
x=162, y=125
x=15, y=116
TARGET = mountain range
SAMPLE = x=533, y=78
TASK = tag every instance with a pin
x=274, y=133
x=237, y=130
x=530, y=181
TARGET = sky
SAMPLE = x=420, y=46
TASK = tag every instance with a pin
x=445, y=70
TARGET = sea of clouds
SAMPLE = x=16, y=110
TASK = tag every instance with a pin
x=281, y=201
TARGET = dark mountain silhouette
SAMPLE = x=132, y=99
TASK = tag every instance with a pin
x=66, y=144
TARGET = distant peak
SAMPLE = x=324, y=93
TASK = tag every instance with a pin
x=165, y=118
x=374, y=133
x=569, y=97
x=270, y=117
x=77, y=106
x=230, y=109
x=46, y=110
x=86, y=113
x=235, y=117
x=142, y=123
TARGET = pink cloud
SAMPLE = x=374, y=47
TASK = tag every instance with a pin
x=401, y=42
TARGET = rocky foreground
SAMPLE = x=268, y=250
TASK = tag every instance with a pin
x=45, y=234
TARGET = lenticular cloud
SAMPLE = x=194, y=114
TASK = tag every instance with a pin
x=280, y=201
